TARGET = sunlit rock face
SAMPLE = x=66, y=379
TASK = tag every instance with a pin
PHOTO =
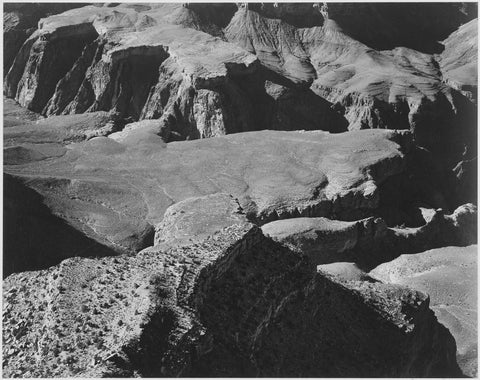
x=239, y=190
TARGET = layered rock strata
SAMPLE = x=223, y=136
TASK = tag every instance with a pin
x=330, y=78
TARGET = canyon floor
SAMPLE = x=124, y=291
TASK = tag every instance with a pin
x=240, y=190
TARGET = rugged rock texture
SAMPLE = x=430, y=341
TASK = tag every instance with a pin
x=143, y=65
x=226, y=306
x=194, y=219
x=20, y=21
x=369, y=242
x=449, y=276
x=310, y=67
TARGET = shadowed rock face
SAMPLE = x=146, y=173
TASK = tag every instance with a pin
x=20, y=21
x=34, y=237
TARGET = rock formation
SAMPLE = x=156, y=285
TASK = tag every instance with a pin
x=106, y=187
x=449, y=275
x=369, y=242
x=224, y=305
x=284, y=67
x=239, y=190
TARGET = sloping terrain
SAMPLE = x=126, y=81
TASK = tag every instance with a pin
x=251, y=189
x=449, y=275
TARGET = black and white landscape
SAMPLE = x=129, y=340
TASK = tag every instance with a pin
x=240, y=190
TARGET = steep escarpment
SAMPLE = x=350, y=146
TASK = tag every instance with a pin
x=20, y=21
x=32, y=81
x=400, y=88
x=216, y=90
x=311, y=72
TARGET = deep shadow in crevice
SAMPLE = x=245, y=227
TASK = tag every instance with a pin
x=58, y=55
x=279, y=104
x=34, y=238
x=385, y=26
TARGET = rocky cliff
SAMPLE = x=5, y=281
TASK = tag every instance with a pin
x=260, y=68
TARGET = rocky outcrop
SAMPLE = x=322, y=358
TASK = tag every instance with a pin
x=401, y=88
x=110, y=189
x=20, y=21
x=194, y=219
x=43, y=60
x=129, y=252
x=226, y=306
x=449, y=276
x=369, y=242
x=62, y=130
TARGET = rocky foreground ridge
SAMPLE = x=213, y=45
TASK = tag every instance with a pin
x=313, y=225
